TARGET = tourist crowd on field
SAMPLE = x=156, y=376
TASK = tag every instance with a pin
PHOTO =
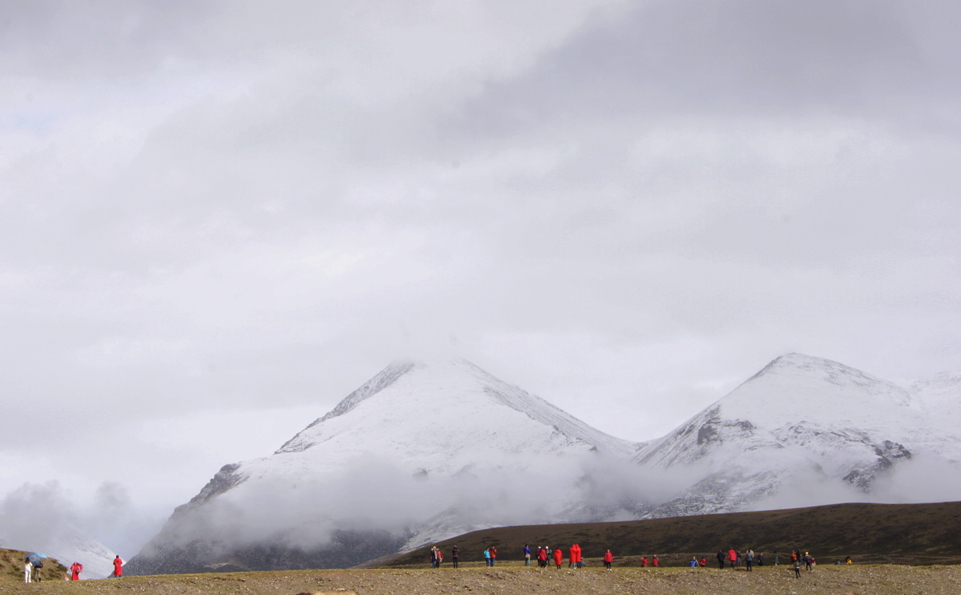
x=545, y=556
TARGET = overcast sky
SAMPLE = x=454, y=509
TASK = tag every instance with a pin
x=219, y=218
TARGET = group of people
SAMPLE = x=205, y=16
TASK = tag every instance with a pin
x=32, y=563
x=543, y=556
x=436, y=557
x=807, y=559
x=736, y=559
x=31, y=568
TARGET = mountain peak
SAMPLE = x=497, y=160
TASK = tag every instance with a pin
x=454, y=394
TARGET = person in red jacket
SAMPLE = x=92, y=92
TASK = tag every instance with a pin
x=732, y=557
x=75, y=569
x=575, y=556
x=117, y=567
x=655, y=562
x=608, y=559
x=558, y=557
x=643, y=561
x=542, y=557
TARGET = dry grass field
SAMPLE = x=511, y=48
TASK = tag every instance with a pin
x=515, y=579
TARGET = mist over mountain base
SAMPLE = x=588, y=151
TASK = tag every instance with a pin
x=345, y=549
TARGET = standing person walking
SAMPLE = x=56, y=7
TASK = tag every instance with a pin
x=655, y=562
x=732, y=557
x=454, y=555
x=27, y=570
x=608, y=559
x=558, y=557
x=117, y=567
x=487, y=556
x=749, y=559
x=527, y=555
x=75, y=569
x=720, y=559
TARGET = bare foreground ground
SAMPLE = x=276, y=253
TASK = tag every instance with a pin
x=511, y=579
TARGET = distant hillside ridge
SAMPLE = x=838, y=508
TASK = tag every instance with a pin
x=889, y=533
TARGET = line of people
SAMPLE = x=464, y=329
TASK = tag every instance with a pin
x=33, y=562
x=544, y=555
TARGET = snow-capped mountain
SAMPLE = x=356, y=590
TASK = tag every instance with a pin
x=424, y=452
x=418, y=452
x=805, y=430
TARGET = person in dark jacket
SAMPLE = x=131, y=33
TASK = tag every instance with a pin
x=720, y=559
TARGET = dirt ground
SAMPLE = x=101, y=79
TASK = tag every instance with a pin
x=509, y=580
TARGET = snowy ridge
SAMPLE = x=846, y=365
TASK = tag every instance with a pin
x=808, y=417
x=382, y=380
x=517, y=399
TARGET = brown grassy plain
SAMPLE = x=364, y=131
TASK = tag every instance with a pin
x=515, y=579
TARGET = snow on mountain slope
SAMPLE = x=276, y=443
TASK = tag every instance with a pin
x=419, y=450
x=443, y=393
x=804, y=425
